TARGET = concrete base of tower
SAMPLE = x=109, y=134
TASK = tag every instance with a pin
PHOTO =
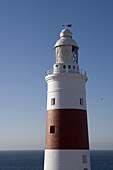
x=67, y=160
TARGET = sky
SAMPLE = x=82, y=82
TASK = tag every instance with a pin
x=28, y=32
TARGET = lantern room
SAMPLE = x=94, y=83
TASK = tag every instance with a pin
x=66, y=49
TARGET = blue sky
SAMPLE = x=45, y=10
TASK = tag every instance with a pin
x=28, y=32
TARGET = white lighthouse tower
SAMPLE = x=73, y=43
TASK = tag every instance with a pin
x=66, y=144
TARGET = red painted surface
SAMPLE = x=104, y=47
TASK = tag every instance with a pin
x=71, y=130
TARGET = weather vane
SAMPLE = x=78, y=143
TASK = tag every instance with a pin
x=69, y=25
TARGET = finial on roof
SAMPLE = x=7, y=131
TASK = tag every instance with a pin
x=69, y=25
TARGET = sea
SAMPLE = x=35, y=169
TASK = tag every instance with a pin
x=34, y=160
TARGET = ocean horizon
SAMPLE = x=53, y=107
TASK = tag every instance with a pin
x=34, y=159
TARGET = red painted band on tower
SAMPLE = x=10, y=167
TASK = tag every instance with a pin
x=71, y=131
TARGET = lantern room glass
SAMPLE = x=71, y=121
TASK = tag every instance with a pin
x=75, y=54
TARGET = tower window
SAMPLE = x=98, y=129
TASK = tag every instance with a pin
x=84, y=158
x=64, y=66
x=56, y=66
x=69, y=66
x=52, y=129
x=81, y=101
x=73, y=67
x=53, y=101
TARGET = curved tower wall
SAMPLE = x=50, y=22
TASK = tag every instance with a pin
x=67, y=91
x=66, y=143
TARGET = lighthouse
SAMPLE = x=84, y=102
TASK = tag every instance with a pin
x=66, y=143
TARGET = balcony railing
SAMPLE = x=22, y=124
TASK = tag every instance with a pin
x=59, y=71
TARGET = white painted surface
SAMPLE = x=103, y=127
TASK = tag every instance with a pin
x=63, y=54
x=66, y=33
x=66, y=160
x=65, y=39
x=67, y=91
x=59, y=68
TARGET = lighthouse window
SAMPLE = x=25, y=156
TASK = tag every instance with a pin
x=69, y=66
x=73, y=67
x=52, y=129
x=84, y=158
x=81, y=101
x=64, y=66
x=53, y=101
